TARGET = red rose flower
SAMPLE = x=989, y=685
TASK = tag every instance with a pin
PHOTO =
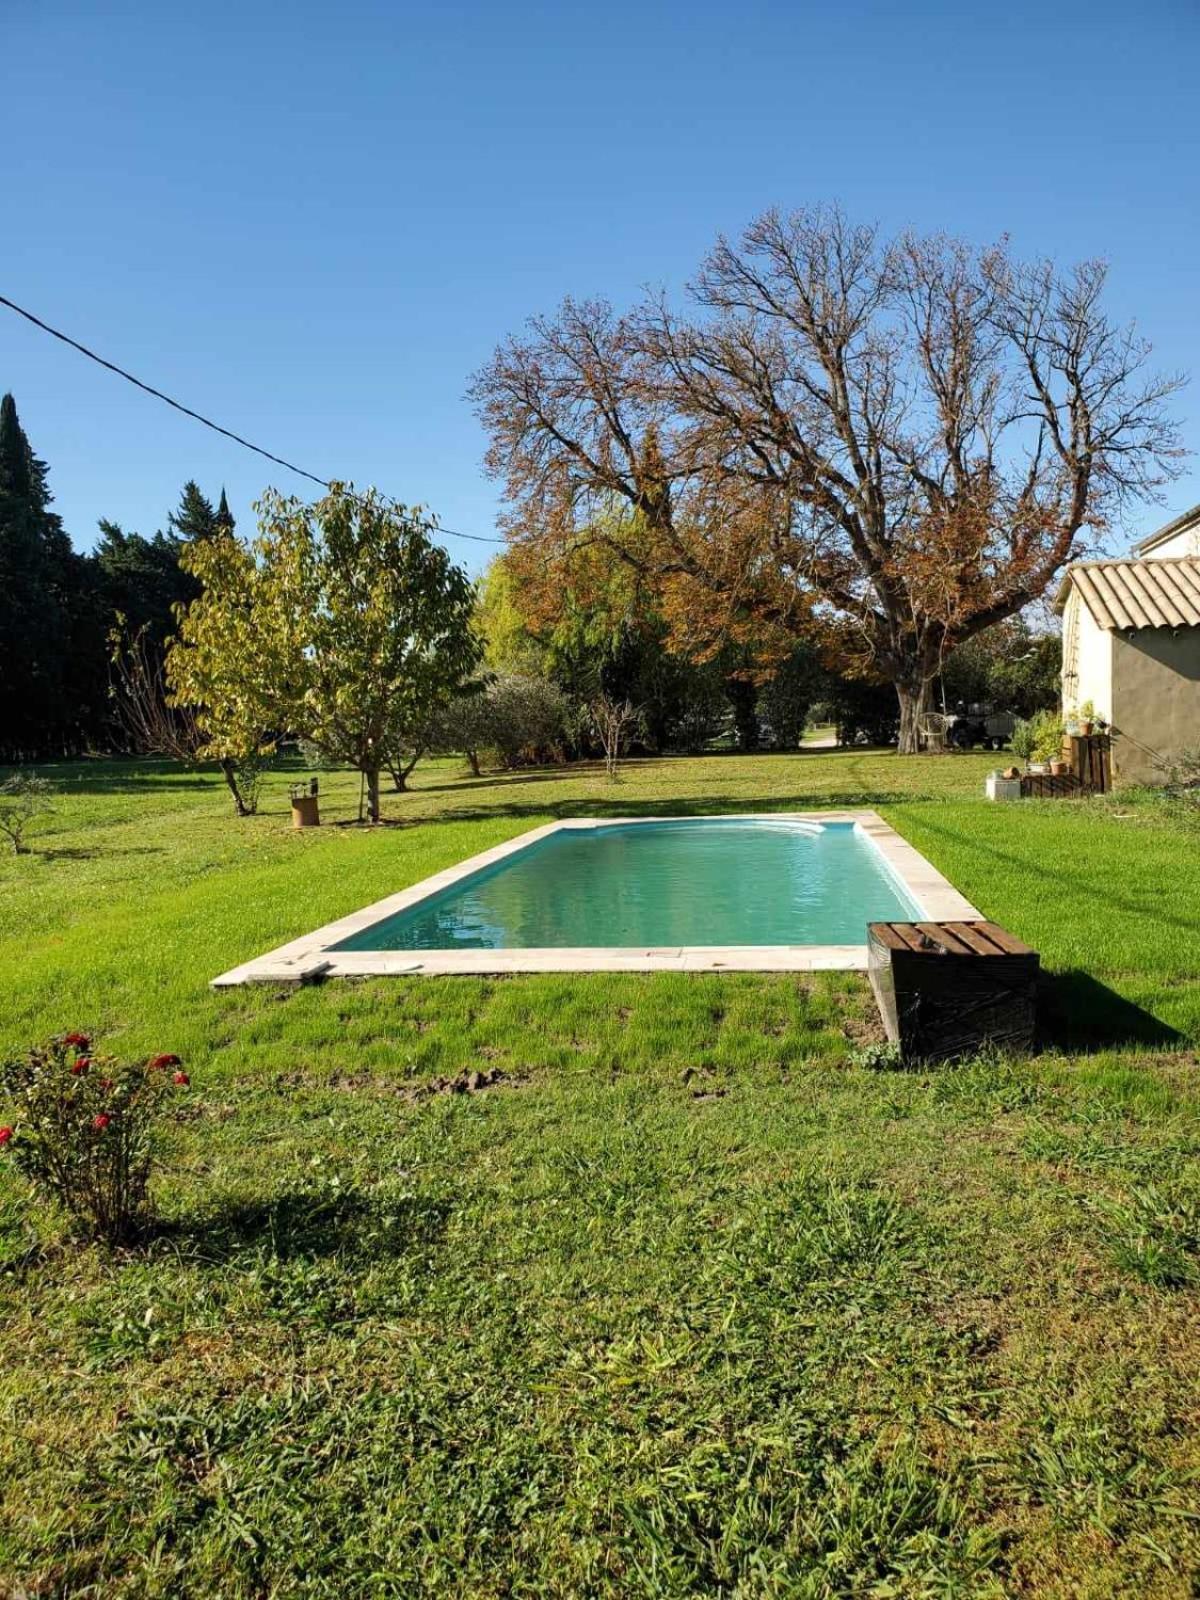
x=79, y=1039
x=81, y=1065
x=162, y=1061
x=182, y=1079
x=5, y=1135
x=101, y=1122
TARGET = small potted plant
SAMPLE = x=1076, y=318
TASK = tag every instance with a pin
x=1038, y=740
x=1023, y=739
x=1087, y=718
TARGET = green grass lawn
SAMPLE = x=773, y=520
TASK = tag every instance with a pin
x=685, y=1302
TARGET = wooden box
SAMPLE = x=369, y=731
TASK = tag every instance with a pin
x=947, y=989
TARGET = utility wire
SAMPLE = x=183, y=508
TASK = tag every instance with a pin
x=479, y=538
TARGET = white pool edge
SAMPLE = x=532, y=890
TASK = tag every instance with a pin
x=312, y=956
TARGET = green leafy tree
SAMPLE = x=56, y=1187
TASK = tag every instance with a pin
x=1010, y=667
x=230, y=665
x=342, y=622
x=512, y=642
x=786, y=699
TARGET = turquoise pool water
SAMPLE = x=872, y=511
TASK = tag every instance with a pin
x=708, y=881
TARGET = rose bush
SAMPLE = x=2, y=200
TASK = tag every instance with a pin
x=85, y=1130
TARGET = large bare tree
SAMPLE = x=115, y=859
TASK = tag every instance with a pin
x=897, y=443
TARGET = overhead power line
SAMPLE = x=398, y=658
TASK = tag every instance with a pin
x=228, y=433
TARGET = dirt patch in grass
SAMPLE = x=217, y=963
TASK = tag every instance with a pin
x=469, y=1081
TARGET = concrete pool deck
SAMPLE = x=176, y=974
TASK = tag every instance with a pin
x=312, y=956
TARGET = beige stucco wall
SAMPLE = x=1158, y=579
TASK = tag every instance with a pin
x=1184, y=543
x=1087, y=660
x=1155, y=698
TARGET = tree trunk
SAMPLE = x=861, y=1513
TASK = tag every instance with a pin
x=913, y=695
x=229, y=773
x=473, y=761
x=372, y=777
x=743, y=697
x=401, y=770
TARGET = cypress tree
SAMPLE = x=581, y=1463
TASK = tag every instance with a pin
x=39, y=576
x=224, y=518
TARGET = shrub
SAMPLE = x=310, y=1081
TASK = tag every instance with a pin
x=786, y=699
x=464, y=725
x=1180, y=775
x=614, y=723
x=86, y=1130
x=865, y=713
x=22, y=798
x=1039, y=737
x=516, y=719
x=527, y=719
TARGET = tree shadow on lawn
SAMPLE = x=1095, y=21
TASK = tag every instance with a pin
x=303, y=1224
x=504, y=780
x=680, y=805
x=126, y=776
x=1078, y=1014
x=92, y=852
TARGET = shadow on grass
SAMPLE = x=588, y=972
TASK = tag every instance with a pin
x=622, y=805
x=302, y=1224
x=92, y=852
x=127, y=775
x=1078, y=1014
x=504, y=780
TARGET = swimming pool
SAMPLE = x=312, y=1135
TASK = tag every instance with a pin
x=705, y=881
x=775, y=891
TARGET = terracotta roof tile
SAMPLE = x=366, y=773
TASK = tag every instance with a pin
x=1137, y=594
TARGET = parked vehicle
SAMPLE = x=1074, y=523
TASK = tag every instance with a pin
x=977, y=724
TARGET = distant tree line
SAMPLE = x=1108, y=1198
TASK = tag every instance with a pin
x=560, y=640
x=59, y=607
x=345, y=625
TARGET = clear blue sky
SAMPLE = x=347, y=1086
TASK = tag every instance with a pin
x=314, y=221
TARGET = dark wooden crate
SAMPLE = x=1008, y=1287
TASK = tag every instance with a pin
x=1047, y=786
x=946, y=989
x=1088, y=759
